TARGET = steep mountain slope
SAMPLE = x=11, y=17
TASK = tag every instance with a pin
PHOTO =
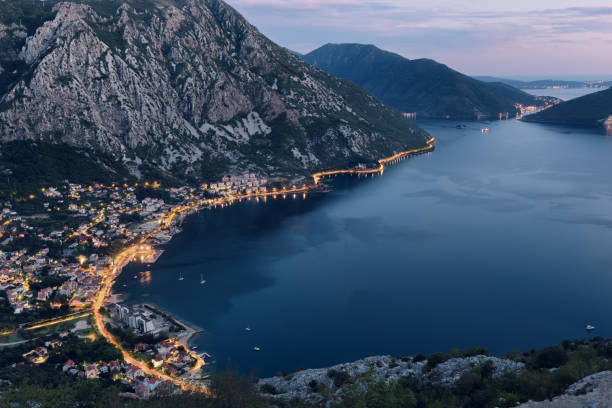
x=591, y=110
x=423, y=86
x=183, y=87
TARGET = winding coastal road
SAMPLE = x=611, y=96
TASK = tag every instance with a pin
x=128, y=254
x=382, y=163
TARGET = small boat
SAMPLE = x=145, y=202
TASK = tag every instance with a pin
x=202, y=280
x=248, y=328
x=484, y=130
x=194, y=347
x=461, y=126
x=124, y=285
x=256, y=348
x=181, y=276
x=590, y=328
x=135, y=276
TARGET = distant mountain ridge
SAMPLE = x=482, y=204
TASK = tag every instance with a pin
x=422, y=86
x=186, y=89
x=591, y=110
x=546, y=83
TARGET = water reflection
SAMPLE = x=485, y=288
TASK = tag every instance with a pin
x=145, y=278
x=491, y=242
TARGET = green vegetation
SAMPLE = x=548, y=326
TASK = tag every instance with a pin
x=11, y=321
x=28, y=166
x=31, y=14
x=423, y=86
x=587, y=111
x=129, y=339
x=548, y=372
x=52, y=390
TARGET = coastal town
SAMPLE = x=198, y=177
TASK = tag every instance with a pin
x=62, y=249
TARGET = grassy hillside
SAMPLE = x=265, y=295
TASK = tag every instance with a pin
x=589, y=111
x=423, y=86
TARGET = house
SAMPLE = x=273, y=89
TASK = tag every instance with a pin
x=68, y=365
x=170, y=370
x=37, y=356
x=157, y=361
x=67, y=288
x=44, y=294
x=53, y=343
x=19, y=307
x=142, y=391
x=91, y=371
x=141, y=347
x=152, y=383
x=115, y=367
x=133, y=371
x=164, y=347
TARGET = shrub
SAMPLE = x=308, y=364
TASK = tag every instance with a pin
x=340, y=377
x=551, y=357
x=487, y=369
x=314, y=385
x=419, y=358
x=434, y=360
x=269, y=389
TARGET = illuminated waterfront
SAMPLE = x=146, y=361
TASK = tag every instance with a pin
x=498, y=240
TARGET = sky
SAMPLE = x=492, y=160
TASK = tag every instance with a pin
x=516, y=39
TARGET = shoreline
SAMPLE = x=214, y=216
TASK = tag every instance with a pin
x=177, y=216
x=382, y=163
x=190, y=329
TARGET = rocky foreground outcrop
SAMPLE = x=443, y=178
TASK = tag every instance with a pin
x=310, y=385
x=185, y=87
x=594, y=391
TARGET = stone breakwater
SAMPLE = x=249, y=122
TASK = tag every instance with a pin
x=307, y=384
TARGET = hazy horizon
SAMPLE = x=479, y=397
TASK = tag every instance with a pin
x=539, y=39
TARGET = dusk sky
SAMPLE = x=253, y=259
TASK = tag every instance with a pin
x=520, y=38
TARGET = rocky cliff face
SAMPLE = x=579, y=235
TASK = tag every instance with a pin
x=310, y=385
x=185, y=87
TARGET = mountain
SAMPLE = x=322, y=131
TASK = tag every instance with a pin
x=423, y=86
x=590, y=110
x=546, y=83
x=185, y=89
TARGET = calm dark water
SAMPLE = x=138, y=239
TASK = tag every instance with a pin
x=563, y=93
x=502, y=240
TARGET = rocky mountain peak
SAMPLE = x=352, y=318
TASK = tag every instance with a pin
x=187, y=88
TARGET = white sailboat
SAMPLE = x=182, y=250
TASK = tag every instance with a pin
x=248, y=328
x=202, y=280
x=181, y=276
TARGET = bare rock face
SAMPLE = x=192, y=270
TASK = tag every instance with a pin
x=186, y=87
x=311, y=385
